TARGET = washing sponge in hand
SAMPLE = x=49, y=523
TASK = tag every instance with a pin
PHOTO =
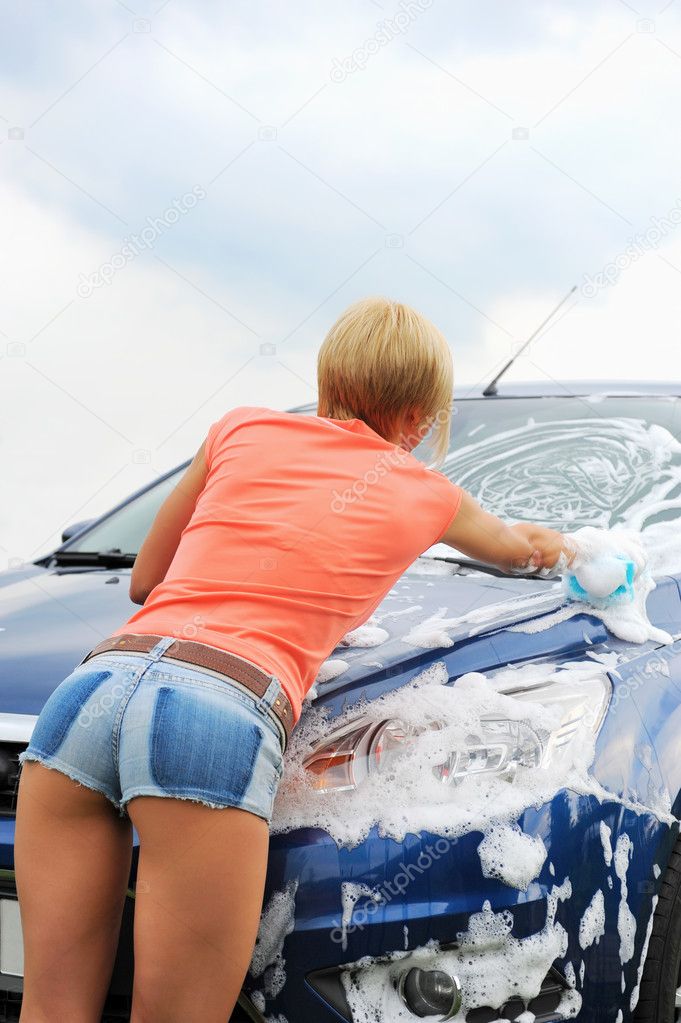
x=608, y=577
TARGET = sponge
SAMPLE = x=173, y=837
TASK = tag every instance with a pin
x=608, y=578
x=598, y=566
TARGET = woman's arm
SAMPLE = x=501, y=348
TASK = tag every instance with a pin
x=160, y=543
x=481, y=535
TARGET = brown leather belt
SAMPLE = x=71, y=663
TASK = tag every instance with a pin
x=249, y=675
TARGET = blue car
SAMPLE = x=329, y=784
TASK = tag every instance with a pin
x=479, y=814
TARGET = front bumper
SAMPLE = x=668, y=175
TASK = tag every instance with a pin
x=434, y=901
x=430, y=894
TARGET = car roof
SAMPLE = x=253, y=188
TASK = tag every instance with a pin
x=559, y=388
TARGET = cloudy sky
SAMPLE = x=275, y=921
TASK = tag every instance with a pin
x=192, y=192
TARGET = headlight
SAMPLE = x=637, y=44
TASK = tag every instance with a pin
x=364, y=747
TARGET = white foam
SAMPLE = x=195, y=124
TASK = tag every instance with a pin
x=611, y=468
x=595, y=565
x=626, y=921
x=431, y=633
x=491, y=964
x=366, y=635
x=510, y=855
x=276, y=922
x=599, y=570
x=644, y=952
x=409, y=797
x=592, y=924
x=606, y=833
x=622, y=473
x=351, y=893
x=331, y=668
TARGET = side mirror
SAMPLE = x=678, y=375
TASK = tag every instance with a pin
x=75, y=528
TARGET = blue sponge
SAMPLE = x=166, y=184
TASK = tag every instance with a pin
x=590, y=583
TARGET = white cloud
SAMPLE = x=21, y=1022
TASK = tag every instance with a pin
x=295, y=228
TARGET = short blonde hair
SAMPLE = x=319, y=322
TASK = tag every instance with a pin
x=382, y=360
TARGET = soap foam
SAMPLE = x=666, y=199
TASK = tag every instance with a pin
x=592, y=924
x=606, y=833
x=644, y=952
x=510, y=855
x=407, y=797
x=599, y=570
x=351, y=893
x=491, y=964
x=626, y=921
x=276, y=922
x=616, y=467
x=331, y=668
x=367, y=635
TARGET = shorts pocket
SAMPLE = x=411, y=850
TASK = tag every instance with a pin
x=63, y=707
x=199, y=744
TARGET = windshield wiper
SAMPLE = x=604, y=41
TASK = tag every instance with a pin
x=105, y=559
x=481, y=566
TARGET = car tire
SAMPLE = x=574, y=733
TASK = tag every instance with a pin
x=662, y=971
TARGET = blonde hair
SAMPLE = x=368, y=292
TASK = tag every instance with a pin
x=382, y=360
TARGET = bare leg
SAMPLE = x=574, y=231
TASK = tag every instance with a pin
x=72, y=858
x=200, y=886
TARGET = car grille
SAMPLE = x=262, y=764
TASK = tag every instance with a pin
x=544, y=1006
x=9, y=780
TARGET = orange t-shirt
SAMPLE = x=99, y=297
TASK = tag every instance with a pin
x=302, y=527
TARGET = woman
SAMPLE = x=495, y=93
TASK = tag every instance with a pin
x=284, y=534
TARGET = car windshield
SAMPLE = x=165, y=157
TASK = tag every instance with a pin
x=561, y=462
x=125, y=529
x=567, y=462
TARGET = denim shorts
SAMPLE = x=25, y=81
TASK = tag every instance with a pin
x=140, y=724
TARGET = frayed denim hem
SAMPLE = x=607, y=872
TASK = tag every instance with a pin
x=54, y=764
x=147, y=791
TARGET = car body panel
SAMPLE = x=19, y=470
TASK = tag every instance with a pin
x=51, y=616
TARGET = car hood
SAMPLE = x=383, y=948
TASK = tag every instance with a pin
x=51, y=618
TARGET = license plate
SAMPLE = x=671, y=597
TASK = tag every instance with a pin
x=11, y=941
